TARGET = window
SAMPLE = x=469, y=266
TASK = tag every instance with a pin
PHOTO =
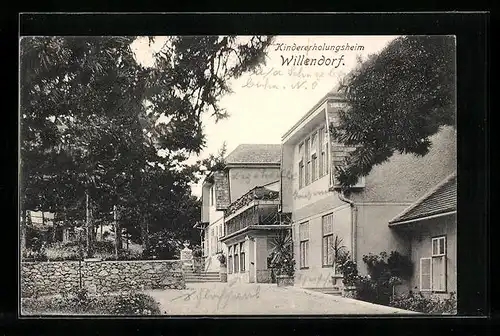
x=236, y=260
x=314, y=167
x=304, y=244
x=230, y=260
x=438, y=269
x=327, y=223
x=323, y=150
x=301, y=174
x=242, y=257
x=433, y=269
x=301, y=166
x=308, y=163
x=321, y=136
x=314, y=156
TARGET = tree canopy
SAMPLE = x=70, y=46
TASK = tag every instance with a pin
x=396, y=100
x=95, y=120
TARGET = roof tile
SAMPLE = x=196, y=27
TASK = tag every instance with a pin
x=440, y=200
x=255, y=153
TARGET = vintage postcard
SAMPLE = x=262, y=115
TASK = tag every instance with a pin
x=238, y=175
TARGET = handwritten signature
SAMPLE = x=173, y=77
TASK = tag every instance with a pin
x=269, y=78
x=222, y=297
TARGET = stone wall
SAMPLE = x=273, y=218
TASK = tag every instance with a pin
x=49, y=278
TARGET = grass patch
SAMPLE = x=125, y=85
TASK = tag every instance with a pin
x=81, y=303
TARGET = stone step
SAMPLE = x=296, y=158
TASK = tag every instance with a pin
x=197, y=275
x=201, y=274
x=327, y=290
x=201, y=280
x=207, y=278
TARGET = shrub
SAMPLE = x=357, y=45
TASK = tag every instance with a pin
x=163, y=245
x=104, y=250
x=429, y=305
x=197, y=252
x=130, y=255
x=135, y=304
x=31, y=255
x=349, y=271
x=79, y=302
x=35, y=238
x=104, y=246
x=222, y=258
x=63, y=251
x=400, y=266
x=372, y=291
x=385, y=273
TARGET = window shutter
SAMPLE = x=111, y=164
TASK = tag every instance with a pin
x=438, y=273
x=425, y=274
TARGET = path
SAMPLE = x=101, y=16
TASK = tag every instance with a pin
x=259, y=299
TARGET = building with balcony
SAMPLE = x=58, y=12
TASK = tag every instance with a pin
x=251, y=222
x=247, y=167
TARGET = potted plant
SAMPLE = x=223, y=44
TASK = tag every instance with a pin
x=350, y=276
x=340, y=255
x=282, y=259
x=223, y=266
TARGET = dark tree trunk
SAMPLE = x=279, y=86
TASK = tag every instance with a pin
x=90, y=247
x=119, y=235
x=116, y=228
x=144, y=234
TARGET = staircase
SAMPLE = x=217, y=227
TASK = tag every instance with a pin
x=191, y=276
x=327, y=290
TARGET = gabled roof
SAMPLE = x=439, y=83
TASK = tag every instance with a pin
x=255, y=154
x=440, y=200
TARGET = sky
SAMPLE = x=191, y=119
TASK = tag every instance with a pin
x=267, y=103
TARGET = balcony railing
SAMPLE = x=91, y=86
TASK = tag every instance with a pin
x=262, y=214
x=257, y=193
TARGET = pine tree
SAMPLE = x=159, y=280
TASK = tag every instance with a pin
x=396, y=100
